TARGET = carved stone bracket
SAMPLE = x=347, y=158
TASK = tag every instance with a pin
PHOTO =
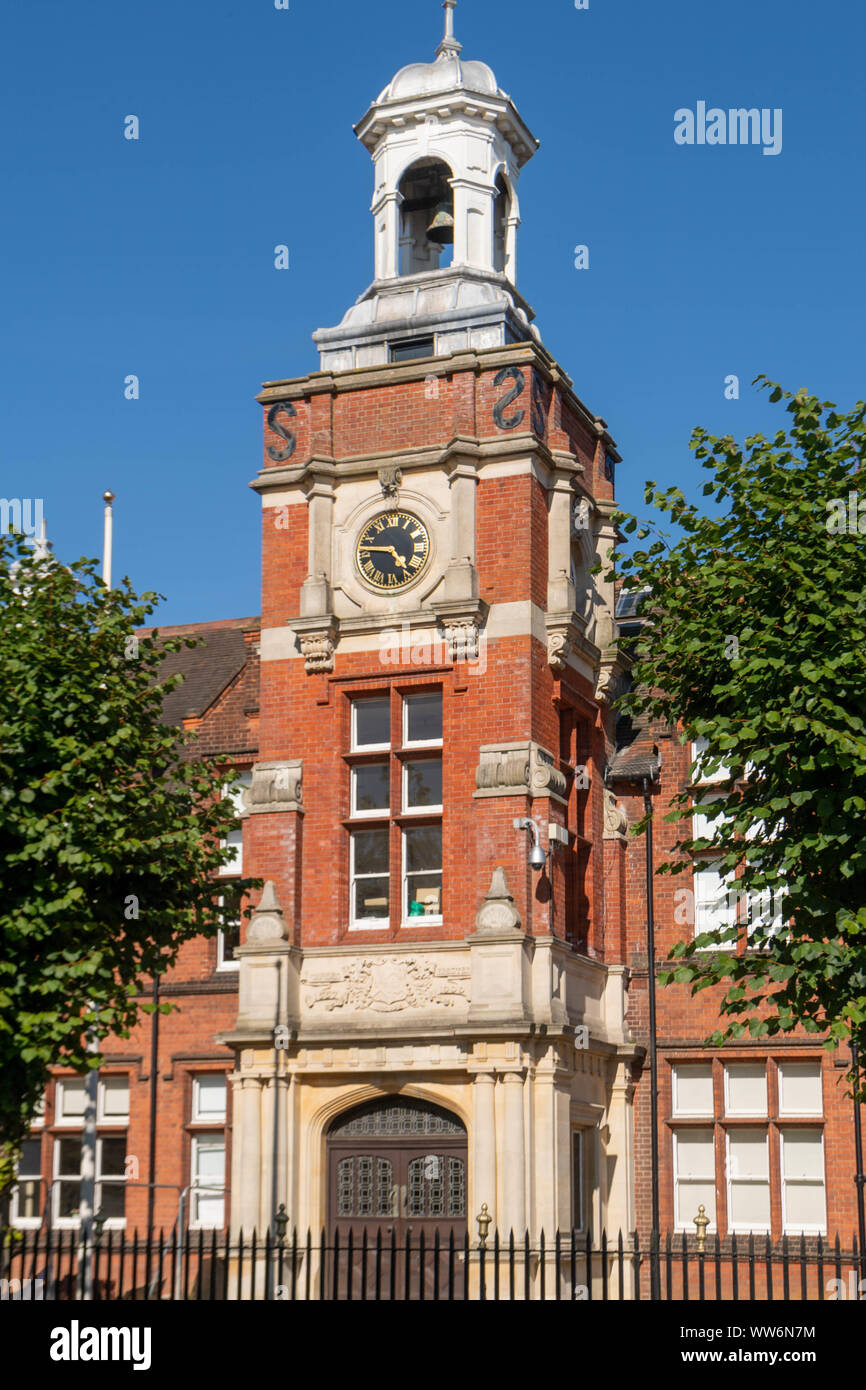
x=615, y=818
x=609, y=683
x=317, y=638
x=462, y=622
x=565, y=636
x=390, y=478
x=276, y=786
x=518, y=769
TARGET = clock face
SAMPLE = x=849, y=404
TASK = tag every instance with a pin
x=393, y=550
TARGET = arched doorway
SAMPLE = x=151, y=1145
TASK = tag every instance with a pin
x=397, y=1166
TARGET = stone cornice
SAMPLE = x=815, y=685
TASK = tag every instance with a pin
x=394, y=373
x=461, y=452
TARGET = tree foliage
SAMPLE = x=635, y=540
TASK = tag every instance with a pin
x=756, y=640
x=110, y=830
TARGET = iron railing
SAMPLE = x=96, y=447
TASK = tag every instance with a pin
x=377, y=1265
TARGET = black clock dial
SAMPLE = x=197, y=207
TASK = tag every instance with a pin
x=393, y=550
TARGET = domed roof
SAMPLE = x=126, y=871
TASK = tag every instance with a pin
x=446, y=73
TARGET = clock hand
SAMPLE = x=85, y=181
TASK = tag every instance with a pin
x=386, y=550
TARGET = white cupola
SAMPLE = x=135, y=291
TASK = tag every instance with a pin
x=447, y=146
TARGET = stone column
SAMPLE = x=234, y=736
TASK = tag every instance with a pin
x=560, y=590
x=546, y=1156
x=473, y=223
x=386, y=218
x=246, y=1198
x=513, y=1158
x=511, y=226
x=316, y=590
x=266, y=1187
x=483, y=1145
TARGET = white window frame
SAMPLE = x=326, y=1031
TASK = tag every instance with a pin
x=121, y=1122
x=703, y=866
x=29, y=1223
x=379, y=813
x=357, y=747
x=419, y=743
x=699, y=747
x=113, y=1223
x=745, y=1114
x=688, y=1225
x=62, y=1223
x=428, y=918
x=210, y=1118
x=408, y=810
x=787, y=1114
x=234, y=790
x=222, y=963
x=675, y=1104
x=760, y=902
x=367, y=923
x=699, y=807
x=731, y=1182
x=785, y=1182
x=62, y=1121
x=208, y=1191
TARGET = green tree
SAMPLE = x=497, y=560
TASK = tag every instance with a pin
x=110, y=830
x=756, y=640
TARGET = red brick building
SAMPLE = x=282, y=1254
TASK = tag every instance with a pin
x=440, y=1001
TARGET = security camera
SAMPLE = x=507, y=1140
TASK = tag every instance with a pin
x=537, y=857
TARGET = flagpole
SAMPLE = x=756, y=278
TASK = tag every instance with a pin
x=108, y=538
x=87, y=1200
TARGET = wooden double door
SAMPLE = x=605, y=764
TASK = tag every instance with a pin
x=397, y=1200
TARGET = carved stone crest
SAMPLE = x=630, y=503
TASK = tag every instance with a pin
x=387, y=986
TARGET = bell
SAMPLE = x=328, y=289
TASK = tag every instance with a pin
x=441, y=229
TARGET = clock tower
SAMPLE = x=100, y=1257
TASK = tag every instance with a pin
x=432, y=990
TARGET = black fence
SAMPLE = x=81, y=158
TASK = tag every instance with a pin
x=338, y=1266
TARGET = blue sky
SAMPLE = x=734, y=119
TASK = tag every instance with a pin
x=156, y=258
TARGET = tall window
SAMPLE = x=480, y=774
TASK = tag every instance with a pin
x=234, y=841
x=112, y=1119
x=229, y=937
x=27, y=1195
x=396, y=811
x=208, y=1171
x=755, y=1154
x=208, y=1150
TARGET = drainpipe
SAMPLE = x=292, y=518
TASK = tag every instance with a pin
x=860, y=1177
x=655, y=1282
x=154, y=1066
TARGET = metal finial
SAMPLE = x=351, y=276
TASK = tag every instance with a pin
x=702, y=1221
x=449, y=45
